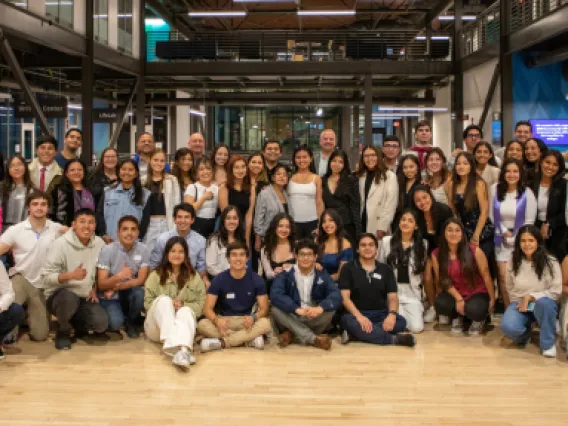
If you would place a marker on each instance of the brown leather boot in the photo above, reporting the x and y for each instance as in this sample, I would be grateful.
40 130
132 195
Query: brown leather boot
286 338
323 342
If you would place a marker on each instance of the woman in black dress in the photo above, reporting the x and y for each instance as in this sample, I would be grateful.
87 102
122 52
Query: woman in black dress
277 253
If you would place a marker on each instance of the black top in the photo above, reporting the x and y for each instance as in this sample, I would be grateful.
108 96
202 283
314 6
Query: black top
555 217
442 215
241 200
97 183
346 201
470 217
403 277
156 205
368 182
368 290
275 265
285 205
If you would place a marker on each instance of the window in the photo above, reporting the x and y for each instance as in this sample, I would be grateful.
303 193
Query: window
125 26
61 11
100 23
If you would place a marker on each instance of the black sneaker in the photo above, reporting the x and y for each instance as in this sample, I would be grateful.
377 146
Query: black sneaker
62 341
2 356
404 340
131 331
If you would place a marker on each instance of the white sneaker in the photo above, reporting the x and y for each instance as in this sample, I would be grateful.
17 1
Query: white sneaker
430 315
443 320
181 359
476 328
210 345
257 342
551 352
192 359
457 325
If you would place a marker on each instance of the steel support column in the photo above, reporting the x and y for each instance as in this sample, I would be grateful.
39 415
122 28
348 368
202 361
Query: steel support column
368 109
457 86
354 156
121 117
88 82
141 89
22 81
210 141
490 94
506 68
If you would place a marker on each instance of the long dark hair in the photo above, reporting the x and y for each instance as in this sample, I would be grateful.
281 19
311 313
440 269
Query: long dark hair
262 177
346 172
222 235
470 191
224 166
558 178
230 176
307 149
164 269
65 182
505 156
271 239
541 147
502 184
340 233
464 256
100 168
492 161
177 171
402 179
138 195
150 179
396 256
540 259
420 213
8 185
380 172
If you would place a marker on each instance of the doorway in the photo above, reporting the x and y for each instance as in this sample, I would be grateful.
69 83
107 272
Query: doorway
27 145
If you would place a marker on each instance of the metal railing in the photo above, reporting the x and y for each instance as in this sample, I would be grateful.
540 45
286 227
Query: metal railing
486 29
399 45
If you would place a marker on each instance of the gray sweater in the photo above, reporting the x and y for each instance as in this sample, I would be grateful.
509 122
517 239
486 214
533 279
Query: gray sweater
267 206
526 281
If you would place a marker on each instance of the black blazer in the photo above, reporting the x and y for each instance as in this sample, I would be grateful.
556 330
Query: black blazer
555 216
346 201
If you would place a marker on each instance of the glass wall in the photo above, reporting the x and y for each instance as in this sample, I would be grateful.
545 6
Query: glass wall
61 11
246 128
125 26
100 21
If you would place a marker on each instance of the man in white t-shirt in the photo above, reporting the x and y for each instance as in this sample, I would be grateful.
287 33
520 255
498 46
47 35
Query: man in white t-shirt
30 241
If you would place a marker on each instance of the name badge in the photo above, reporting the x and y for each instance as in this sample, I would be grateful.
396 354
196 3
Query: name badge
230 295
137 258
377 276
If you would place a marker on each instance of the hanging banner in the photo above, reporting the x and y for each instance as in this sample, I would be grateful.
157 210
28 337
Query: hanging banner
106 115
52 107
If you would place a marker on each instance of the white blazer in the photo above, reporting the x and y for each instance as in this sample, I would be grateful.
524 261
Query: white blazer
172 197
405 293
381 202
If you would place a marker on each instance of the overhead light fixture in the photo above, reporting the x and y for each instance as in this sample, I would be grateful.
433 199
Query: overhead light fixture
395 115
262 1
59 3
100 16
124 15
197 112
217 13
326 12
433 38
452 17
410 108
319 112
74 106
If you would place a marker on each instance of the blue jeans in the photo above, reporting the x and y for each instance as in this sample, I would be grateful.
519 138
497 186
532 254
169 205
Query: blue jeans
377 336
516 325
127 309
10 318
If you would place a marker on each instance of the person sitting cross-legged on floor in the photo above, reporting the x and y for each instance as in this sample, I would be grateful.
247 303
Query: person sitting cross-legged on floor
123 267
304 300
534 284
11 314
236 290
370 297
69 278
175 294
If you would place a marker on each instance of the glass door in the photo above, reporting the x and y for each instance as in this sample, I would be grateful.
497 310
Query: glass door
27 147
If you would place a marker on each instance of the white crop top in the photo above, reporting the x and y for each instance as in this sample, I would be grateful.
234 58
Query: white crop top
302 201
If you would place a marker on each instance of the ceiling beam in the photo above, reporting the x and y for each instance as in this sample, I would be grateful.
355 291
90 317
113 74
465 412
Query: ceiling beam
171 18
436 10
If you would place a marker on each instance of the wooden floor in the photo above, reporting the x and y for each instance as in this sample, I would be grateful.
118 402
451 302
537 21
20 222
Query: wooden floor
445 380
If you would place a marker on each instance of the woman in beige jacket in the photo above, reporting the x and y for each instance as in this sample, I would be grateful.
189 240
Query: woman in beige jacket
379 193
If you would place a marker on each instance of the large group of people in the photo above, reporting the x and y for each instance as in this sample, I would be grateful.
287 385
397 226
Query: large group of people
224 250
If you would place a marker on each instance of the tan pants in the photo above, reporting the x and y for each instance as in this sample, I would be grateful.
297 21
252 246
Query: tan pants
33 298
237 334
564 317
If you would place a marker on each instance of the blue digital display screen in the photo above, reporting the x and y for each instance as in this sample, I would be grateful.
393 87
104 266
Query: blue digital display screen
552 132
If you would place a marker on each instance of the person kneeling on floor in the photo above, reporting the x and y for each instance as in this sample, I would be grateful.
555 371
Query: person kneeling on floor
370 297
11 314
237 290
304 300
69 279
174 298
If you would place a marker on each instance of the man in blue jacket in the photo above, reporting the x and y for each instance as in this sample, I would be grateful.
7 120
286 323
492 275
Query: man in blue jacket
304 300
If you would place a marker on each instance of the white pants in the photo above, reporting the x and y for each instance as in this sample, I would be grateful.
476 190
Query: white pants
173 329
413 312
156 227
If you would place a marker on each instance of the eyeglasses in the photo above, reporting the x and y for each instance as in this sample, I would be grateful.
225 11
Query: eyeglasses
306 254
473 135
391 146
